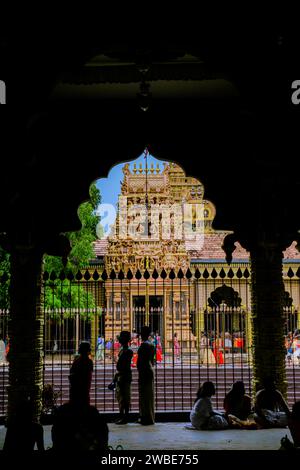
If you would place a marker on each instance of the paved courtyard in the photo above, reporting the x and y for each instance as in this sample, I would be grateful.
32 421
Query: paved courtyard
173 436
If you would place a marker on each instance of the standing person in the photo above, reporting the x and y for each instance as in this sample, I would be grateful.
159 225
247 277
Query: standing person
100 348
109 345
158 348
134 346
55 347
206 354
288 347
81 375
145 364
123 377
176 347
157 338
296 348
98 342
2 351
240 342
116 349
134 334
217 352
7 346
227 342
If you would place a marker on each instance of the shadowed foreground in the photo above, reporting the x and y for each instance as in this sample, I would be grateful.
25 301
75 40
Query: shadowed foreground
168 436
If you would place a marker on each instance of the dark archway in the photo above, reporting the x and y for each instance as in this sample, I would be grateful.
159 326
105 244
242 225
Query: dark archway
249 136
224 294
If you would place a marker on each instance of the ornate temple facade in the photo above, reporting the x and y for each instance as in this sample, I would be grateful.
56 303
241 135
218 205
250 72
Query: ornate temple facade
164 225
148 237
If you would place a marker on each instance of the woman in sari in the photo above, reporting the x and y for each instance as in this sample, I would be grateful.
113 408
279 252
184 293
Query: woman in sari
158 348
217 352
203 415
176 347
134 347
206 354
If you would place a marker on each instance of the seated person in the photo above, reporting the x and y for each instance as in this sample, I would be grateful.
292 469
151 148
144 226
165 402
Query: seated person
78 429
202 415
23 433
237 407
294 423
271 409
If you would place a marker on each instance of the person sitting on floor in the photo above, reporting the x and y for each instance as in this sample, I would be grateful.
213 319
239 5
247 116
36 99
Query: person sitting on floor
237 407
271 409
202 415
23 433
79 428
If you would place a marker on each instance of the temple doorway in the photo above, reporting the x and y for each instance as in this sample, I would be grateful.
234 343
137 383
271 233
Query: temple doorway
152 316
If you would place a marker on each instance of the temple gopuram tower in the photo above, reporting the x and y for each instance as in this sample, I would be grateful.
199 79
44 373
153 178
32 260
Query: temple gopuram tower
148 237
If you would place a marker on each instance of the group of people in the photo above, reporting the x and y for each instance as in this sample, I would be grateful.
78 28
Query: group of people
213 348
77 426
270 410
79 420
123 377
112 347
4 349
292 345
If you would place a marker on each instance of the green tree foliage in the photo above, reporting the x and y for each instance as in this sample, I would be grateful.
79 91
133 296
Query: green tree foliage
73 295
63 299
65 294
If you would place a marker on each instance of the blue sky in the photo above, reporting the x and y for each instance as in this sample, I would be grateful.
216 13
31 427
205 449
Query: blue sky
110 187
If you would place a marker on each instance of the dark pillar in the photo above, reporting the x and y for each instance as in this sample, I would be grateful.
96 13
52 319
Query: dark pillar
267 316
25 329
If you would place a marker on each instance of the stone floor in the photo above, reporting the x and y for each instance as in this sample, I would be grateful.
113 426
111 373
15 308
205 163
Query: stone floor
173 436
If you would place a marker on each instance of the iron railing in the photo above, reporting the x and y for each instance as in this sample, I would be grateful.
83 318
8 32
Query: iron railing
200 322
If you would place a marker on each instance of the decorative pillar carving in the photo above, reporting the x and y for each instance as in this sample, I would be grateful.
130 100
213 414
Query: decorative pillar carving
94 332
267 319
267 290
248 329
25 329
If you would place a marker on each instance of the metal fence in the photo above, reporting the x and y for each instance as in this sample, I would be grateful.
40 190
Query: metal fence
200 326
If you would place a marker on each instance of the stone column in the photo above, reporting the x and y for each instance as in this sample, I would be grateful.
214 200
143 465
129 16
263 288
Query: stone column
94 332
248 329
267 317
25 329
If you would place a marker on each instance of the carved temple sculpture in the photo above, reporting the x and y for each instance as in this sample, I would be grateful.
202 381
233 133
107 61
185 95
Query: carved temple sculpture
155 208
